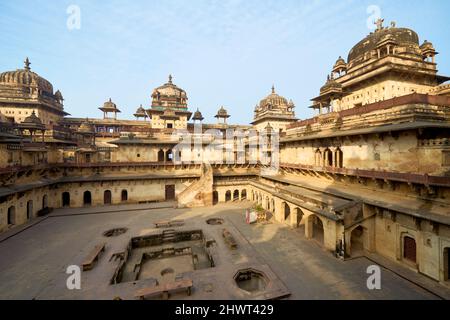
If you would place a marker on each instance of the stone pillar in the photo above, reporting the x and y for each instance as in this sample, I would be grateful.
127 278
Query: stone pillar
309 227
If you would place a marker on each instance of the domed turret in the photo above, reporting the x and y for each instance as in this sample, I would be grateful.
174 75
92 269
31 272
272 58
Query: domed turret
428 51
140 113
109 107
197 116
32 123
340 66
222 114
169 96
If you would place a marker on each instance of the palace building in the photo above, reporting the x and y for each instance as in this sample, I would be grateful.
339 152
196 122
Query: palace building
369 174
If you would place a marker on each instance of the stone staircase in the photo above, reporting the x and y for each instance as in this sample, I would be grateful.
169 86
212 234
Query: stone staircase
199 193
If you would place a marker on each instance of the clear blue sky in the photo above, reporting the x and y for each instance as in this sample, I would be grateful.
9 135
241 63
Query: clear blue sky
221 52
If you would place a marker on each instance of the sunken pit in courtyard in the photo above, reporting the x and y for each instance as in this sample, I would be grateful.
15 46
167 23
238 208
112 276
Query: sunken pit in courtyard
164 257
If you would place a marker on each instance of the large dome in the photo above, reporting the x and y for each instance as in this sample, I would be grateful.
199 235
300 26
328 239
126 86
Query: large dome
27 79
273 100
402 36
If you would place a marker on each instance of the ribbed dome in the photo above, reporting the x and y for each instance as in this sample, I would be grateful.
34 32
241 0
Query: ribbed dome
402 36
169 90
26 78
273 100
169 96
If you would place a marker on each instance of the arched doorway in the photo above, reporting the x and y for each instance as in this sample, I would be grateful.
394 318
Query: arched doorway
87 198
409 249
228 196
29 209
446 264
44 202
12 215
107 197
160 156
318 157
316 228
124 195
66 199
287 211
357 241
327 158
244 194
215 197
236 195
299 214
169 155
339 158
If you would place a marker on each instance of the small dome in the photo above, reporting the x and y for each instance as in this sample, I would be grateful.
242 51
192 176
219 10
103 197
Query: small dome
340 64
32 119
222 113
86 127
59 96
109 106
426 45
197 115
331 85
140 112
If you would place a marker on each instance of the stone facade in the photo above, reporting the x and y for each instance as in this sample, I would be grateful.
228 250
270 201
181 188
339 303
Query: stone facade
370 174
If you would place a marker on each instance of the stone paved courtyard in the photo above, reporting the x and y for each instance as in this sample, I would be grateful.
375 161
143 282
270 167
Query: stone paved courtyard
33 262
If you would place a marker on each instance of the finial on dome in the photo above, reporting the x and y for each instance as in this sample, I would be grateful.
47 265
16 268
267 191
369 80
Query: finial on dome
379 24
27 64
273 88
170 78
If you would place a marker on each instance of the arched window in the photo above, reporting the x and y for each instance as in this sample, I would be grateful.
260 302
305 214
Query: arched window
244 194
339 158
160 156
318 158
327 158
169 155
124 195
236 195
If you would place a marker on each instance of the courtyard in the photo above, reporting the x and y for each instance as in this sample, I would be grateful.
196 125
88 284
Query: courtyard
34 260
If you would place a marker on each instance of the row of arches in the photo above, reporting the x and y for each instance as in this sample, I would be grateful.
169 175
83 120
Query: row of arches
87 197
328 158
11 214
165 156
